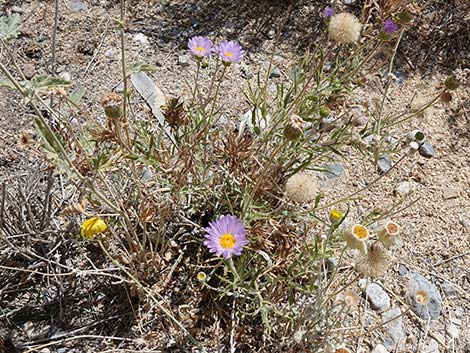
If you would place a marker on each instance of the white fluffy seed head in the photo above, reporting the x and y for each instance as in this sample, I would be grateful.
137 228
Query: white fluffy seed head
344 28
302 187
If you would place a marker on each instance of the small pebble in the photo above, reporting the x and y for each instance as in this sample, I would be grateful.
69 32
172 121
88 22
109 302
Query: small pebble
384 163
452 331
403 188
141 39
183 60
426 150
450 193
377 297
402 270
432 346
379 349
275 73
29 71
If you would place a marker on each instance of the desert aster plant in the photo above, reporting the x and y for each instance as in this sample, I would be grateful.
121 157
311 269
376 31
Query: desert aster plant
230 52
389 26
328 12
226 236
200 46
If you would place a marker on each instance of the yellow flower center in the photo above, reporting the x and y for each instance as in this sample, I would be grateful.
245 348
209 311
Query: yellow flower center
227 241
360 231
392 228
228 54
200 49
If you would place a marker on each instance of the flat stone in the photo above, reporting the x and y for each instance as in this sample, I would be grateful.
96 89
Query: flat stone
384 163
426 150
452 331
334 170
379 349
450 193
449 289
377 297
432 309
394 333
431 347
77 5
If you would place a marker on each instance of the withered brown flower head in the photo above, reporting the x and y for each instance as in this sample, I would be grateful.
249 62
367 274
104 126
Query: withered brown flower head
174 113
375 263
294 128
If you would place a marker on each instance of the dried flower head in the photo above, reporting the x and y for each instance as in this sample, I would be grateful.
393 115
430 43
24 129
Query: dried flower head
389 234
226 236
422 297
230 52
350 298
200 46
389 26
302 187
375 263
356 237
174 113
112 105
328 12
294 128
344 28
92 227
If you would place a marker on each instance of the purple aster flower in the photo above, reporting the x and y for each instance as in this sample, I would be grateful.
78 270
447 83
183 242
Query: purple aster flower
226 236
200 46
390 26
328 11
230 52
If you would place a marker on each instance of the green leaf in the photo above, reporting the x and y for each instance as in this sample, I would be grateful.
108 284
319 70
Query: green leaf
10 26
139 67
7 83
44 83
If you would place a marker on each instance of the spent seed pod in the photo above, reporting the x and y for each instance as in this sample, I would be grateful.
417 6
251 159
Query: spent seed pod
112 104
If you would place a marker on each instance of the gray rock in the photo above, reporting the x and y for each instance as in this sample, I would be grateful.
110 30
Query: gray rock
349 2
402 270
431 347
141 39
379 349
452 331
384 163
449 289
29 71
183 60
432 309
334 170
245 71
403 188
450 193
426 150
77 5
275 73
377 297
394 333
271 33
327 124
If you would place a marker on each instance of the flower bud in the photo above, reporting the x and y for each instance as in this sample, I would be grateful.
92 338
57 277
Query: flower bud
112 104
451 83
